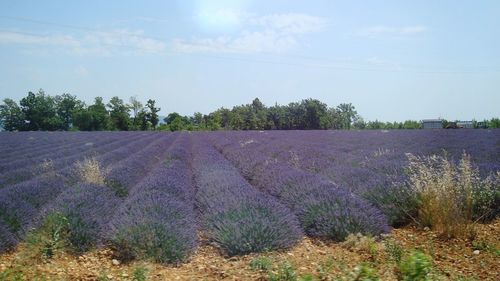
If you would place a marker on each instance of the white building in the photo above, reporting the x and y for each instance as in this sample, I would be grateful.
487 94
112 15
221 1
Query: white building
432 124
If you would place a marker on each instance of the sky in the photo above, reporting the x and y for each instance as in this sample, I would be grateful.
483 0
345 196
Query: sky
393 60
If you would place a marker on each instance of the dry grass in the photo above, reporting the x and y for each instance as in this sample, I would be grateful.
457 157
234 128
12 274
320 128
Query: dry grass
446 193
89 170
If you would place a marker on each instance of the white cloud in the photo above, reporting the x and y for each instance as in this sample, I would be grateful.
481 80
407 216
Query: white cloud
270 33
389 31
246 42
115 42
292 23
13 37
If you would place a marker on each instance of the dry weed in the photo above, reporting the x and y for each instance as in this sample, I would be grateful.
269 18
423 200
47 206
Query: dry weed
89 170
446 193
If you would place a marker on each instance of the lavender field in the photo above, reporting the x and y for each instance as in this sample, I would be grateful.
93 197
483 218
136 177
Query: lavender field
151 195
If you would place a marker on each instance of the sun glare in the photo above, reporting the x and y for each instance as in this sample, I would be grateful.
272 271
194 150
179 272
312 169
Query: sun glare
220 16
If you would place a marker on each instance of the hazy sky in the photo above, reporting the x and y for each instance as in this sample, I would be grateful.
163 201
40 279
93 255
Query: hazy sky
393 60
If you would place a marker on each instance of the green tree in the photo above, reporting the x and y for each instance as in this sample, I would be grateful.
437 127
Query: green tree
347 114
142 120
153 113
359 123
198 120
375 125
99 115
294 116
275 117
411 124
136 106
40 111
82 120
315 114
177 122
11 116
119 114
237 122
494 123
67 105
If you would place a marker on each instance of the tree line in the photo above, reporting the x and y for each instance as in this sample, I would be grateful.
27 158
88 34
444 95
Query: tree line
40 111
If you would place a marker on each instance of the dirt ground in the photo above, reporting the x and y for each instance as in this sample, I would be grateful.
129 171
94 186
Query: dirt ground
311 259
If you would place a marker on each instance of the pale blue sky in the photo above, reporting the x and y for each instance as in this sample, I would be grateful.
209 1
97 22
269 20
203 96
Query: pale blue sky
394 60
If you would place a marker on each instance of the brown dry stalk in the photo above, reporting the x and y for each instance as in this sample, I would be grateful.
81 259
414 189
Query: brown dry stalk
446 193
90 171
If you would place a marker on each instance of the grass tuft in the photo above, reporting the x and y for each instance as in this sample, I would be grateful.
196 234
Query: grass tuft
451 197
89 170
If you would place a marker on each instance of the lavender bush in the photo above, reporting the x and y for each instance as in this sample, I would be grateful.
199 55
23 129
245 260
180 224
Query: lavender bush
157 221
237 217
7 240
126 174
87 207
154 226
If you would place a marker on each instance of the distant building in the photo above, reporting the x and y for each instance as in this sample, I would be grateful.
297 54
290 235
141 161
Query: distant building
432 124
465 124
482 125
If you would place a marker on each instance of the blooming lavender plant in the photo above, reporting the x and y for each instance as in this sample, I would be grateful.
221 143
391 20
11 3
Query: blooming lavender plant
237 217
153 225
87 207
157 220
322 208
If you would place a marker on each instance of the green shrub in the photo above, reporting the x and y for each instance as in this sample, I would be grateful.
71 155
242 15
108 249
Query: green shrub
82 233
398 202
49 238
149 241
261 263
394 250
11 275
306 277
140 274
415 266
364 272
286 272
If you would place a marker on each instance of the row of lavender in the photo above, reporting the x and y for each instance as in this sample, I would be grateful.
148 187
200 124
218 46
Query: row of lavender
157 221
59 156
24 144
23 205
236 216
370 164
322 208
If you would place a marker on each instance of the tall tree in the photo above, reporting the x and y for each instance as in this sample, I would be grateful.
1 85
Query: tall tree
40 111
142 120
119 114
315 114
11 116
99 115
66 106
347 114
153 113
136 107
198 121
